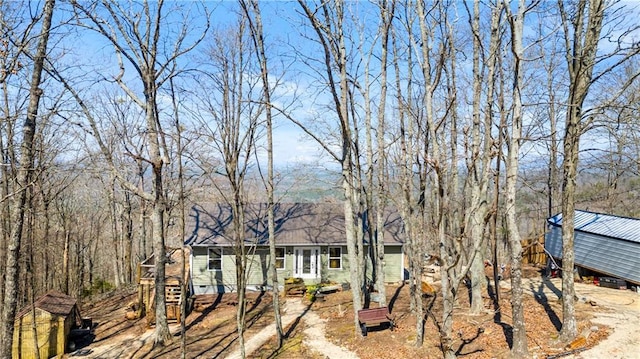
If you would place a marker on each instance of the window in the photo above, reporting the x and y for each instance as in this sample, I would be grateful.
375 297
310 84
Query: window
279 258
215 259
335 257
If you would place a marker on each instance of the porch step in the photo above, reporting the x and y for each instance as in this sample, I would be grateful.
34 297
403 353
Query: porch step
296 291
294 287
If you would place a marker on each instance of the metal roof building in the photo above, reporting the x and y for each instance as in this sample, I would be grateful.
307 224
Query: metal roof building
603 243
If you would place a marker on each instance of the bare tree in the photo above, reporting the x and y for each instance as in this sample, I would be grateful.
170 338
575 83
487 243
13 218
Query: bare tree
443 174
481 148
229 111
519 347
421 165
254 17
16 36
9 66
582 24
410 205
23 181
327 21
378 189
551 111
151 48
180 149
582 34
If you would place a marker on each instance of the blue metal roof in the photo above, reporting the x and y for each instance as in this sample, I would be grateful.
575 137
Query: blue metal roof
603 224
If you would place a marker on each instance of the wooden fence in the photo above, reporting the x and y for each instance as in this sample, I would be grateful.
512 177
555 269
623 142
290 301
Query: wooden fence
533 251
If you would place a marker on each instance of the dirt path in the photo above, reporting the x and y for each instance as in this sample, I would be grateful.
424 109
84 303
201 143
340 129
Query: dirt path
314 332
316 340
622 314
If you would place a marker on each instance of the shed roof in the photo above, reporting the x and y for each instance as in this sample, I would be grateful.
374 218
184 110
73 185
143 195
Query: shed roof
295 224
625 228
54 302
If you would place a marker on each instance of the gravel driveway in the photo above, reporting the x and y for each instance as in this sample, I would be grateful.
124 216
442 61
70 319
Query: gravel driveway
622 315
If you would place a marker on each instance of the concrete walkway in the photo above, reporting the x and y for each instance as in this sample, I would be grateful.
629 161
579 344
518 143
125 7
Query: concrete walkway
314 333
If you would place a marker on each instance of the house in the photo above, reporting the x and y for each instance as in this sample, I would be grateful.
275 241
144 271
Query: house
55 315
310 244
603 243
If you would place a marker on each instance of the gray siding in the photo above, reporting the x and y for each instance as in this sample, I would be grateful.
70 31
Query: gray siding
611 256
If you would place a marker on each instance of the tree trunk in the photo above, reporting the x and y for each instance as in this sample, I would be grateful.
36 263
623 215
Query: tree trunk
8 156
370 189
65 260
434 155
448 302
241 261
477 205
387 11
113 217
570 164
582 47
352 248
476 270
552 175
127 234
162 334
182 228
23 181
519 348
479 160
255 21
142 221
333 42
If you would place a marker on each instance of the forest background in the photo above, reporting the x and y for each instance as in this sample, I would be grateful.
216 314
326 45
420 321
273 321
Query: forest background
476 120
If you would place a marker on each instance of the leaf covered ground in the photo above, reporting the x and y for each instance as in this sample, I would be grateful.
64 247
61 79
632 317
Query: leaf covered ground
211 332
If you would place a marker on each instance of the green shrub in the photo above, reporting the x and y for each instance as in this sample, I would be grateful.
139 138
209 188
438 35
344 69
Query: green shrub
311 291
99 286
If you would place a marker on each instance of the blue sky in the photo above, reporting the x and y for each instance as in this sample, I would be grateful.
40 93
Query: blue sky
284 34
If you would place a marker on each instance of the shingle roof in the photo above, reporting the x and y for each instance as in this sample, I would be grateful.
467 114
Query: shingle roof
54 302
625 228
296 224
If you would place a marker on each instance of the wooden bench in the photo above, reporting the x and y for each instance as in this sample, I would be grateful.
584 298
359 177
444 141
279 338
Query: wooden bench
372 317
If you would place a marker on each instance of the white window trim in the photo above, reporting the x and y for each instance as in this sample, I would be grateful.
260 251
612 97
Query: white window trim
329 258
284 258
209 258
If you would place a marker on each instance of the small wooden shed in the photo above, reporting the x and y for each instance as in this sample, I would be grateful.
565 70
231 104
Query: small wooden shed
55 314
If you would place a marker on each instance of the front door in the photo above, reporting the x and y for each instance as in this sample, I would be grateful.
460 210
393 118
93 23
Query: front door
307 262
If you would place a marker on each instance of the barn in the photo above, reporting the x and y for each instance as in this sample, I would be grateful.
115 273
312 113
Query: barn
55 314
603 243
